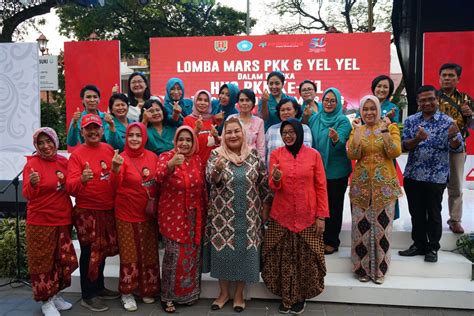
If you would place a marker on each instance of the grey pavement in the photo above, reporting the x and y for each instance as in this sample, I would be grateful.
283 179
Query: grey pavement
19 301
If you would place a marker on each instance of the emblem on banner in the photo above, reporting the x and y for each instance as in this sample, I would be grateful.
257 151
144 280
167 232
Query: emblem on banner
220 46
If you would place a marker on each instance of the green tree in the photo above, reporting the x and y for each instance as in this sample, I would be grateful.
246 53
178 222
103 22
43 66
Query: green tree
133 24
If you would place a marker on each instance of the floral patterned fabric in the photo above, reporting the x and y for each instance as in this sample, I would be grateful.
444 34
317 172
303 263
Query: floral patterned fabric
374 180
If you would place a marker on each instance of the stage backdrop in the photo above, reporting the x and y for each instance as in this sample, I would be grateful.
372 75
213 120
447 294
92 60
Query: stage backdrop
346 61
91 62
452 47
19 106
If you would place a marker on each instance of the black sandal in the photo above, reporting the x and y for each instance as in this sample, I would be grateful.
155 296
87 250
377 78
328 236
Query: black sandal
168 307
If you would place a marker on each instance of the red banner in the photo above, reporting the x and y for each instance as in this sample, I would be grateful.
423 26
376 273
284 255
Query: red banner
450 47
346 61
91 62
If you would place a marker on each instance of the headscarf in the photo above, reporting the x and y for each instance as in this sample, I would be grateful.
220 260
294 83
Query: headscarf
227 153
228 109
51 133
322 122
133 153
195 113
170 84
295 148
377 104
194 148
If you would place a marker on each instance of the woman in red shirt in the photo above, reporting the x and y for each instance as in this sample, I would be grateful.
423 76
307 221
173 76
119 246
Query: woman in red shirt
51 255
182 205
133 174
293 249
204 125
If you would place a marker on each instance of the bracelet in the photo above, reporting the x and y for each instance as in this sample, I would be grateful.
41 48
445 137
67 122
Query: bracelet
384 131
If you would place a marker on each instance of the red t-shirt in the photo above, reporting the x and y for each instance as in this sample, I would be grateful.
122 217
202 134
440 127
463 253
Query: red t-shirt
97 193
204 137
180 191
49 203
135 175
300 195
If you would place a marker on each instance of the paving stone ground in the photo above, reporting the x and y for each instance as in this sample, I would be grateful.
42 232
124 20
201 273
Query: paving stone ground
19 301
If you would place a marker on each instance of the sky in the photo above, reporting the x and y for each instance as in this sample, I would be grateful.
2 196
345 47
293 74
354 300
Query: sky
56 41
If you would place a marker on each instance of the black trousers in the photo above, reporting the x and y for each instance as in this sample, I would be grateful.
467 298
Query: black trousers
424 204
336 191
90 289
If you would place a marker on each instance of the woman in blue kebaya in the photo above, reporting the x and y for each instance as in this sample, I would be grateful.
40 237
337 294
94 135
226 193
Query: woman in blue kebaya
175 101
225 103
117 121
268 102
382 88
310 107
160 132
330 130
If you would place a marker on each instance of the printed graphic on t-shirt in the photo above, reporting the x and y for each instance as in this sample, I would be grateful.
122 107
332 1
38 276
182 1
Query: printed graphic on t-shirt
148 181
105 171
61 180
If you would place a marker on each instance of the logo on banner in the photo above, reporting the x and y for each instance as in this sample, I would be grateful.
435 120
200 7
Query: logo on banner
244 46
317 45
220 46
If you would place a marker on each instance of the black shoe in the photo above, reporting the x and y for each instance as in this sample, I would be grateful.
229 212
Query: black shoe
282 309
412 251
431 256
298 308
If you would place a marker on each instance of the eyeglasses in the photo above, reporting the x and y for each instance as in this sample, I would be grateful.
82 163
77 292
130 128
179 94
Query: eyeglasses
307 90
137 81
288 133
333 101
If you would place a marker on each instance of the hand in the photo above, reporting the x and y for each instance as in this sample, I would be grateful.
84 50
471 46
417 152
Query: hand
466 109
199 125
76 116
390 114
421 135
333 135
214 131
276 173
320 226
177 108
219 165
386 122
177 160
307 111
87 174
117 161
265 96
356 123
140 104
219 117
34 177
146 116
453 130
115 88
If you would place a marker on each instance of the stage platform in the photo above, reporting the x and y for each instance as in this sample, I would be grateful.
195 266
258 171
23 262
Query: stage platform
409 282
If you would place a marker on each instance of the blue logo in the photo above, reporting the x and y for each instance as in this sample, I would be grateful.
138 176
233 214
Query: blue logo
317 42
244 46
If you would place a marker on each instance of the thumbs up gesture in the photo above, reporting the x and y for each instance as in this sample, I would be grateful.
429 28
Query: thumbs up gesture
34 177
276 173
220 164
421 135
214 131
115 88
75 117
177 160
199 124
117 161
265 96
87 174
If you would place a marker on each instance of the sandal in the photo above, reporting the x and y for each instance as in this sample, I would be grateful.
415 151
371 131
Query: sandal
168 307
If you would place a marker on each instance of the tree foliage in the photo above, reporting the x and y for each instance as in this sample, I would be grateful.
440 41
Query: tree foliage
133 24
14 13
346 15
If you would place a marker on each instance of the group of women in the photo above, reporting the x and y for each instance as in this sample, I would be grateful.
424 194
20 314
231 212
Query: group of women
230 192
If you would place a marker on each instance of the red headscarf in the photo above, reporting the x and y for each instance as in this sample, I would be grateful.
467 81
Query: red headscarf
132 153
